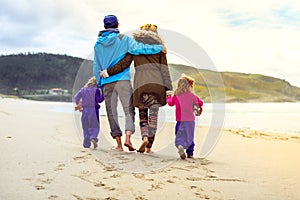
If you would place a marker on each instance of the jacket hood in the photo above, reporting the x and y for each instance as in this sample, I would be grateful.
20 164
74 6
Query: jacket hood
147 37
107 37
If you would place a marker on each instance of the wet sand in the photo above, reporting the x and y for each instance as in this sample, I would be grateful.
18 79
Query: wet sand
42 158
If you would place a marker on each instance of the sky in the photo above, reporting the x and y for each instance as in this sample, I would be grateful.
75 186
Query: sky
261 37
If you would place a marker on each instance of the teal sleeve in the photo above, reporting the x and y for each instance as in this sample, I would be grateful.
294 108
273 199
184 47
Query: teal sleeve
138 48
97 69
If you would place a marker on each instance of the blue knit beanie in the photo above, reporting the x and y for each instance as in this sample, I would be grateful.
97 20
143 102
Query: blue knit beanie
110 21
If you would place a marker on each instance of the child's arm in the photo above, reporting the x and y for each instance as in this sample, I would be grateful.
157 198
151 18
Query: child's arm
77 97
200 102
78 101
199 110
170 100
99 96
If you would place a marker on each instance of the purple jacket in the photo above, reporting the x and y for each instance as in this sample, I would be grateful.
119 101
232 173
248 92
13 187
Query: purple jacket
91 97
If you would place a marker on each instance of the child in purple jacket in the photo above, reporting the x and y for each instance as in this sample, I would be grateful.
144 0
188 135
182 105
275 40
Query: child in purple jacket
87 101
185 102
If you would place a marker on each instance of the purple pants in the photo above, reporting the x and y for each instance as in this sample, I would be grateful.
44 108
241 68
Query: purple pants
184 132
90 125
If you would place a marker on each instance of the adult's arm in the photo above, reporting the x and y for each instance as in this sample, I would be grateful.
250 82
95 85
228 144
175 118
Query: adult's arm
97 67
121 65
99 96
138 48
165 72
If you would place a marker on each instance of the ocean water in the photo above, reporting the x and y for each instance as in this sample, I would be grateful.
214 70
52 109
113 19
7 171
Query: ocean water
273 117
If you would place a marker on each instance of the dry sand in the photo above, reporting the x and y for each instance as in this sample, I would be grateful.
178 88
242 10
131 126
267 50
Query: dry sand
42 158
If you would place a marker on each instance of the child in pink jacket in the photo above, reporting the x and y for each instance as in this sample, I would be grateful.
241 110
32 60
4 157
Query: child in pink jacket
185 101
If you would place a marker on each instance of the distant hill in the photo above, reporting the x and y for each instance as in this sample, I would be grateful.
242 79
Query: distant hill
240 87
42 71
38 71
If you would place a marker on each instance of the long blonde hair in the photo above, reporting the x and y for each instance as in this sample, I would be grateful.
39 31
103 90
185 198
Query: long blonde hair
184 84
92 82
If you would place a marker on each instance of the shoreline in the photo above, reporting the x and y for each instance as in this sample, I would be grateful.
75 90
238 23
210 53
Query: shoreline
43 158
286 113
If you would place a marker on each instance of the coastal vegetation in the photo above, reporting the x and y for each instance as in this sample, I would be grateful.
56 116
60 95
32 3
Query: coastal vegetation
33 75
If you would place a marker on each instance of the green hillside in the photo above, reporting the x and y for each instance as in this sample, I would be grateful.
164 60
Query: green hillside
35 74
240 87
38 71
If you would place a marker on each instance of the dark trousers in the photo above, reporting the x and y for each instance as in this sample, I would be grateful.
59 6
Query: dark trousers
148 123
184 132
90 125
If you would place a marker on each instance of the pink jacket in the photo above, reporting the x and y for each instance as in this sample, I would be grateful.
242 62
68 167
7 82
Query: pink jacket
184 105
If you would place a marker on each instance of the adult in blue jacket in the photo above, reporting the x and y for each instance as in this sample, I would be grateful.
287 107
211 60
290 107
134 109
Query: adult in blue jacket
110 48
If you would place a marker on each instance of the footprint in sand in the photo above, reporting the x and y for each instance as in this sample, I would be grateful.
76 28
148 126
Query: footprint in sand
115 176
59 167
202 196
194 178
149 179
139 176
47 180
53 197
211 176
39 187
147 164
110 188
77 197
140 198
155 187
100 184
199 192
81 159
204 162
170 181
109 168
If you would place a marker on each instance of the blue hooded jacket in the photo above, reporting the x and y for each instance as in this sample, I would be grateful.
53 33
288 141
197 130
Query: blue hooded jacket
111 47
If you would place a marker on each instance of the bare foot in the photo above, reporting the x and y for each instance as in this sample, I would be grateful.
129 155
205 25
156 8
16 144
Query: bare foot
94 143
127 142
117 148
190 156
119 143
181 152
129 145
143 145
148 150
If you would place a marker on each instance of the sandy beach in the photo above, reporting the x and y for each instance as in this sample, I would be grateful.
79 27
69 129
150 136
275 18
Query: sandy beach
42 158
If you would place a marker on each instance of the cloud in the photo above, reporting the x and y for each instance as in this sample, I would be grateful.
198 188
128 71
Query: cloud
33 24
239 36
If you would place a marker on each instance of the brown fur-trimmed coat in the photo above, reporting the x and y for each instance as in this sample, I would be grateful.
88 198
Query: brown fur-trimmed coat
152 76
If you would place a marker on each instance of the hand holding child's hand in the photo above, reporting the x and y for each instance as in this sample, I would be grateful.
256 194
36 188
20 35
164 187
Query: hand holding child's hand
104 74
164 50
169 93
79 106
